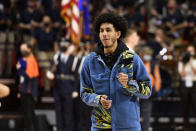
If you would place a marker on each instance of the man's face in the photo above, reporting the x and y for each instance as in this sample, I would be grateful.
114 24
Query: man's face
108 35
25 51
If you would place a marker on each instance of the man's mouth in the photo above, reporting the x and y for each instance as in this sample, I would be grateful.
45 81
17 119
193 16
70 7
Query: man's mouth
105 39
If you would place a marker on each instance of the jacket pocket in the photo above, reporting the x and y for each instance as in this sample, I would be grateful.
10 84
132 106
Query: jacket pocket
101 83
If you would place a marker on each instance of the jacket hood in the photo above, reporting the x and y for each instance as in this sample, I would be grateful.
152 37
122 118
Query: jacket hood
120 48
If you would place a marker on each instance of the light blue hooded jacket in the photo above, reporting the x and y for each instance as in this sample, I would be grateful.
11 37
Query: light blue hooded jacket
97 79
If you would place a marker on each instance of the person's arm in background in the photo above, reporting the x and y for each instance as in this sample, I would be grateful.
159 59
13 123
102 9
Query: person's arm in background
4 91
56 46
181 69
157 77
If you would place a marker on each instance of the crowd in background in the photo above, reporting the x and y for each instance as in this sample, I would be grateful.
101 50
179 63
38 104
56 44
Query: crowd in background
167 27
164 24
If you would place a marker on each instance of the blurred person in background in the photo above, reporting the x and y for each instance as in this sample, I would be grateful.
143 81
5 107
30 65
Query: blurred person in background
8 25
29 19
192 26
158 43
64 91
174 20
132 39
130 14
153 70
187 71
11 32
45 44
58 23
141 21
82 111
28 72
2 37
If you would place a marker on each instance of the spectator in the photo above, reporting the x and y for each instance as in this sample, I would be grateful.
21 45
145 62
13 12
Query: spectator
46 40
29 19
64 91
3 28
130 16
12 25
154 73
187 71
58 23
141 21
175 22
159 43
192 27
132 39
82 111
28 72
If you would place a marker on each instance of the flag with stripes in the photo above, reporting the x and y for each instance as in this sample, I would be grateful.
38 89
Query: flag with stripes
70 14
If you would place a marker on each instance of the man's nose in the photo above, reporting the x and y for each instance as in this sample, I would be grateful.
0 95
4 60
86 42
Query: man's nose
104 33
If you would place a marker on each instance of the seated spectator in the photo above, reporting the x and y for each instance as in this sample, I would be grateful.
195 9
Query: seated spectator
2 37
192 26
130 16
29 19
140 21
174 20
159 43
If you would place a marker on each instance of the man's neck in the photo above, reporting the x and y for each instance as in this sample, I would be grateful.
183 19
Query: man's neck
111 50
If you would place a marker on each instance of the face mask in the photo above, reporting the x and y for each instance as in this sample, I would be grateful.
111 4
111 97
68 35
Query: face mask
79 48
31 6
25 53
63 49
171 7
46 24
147 57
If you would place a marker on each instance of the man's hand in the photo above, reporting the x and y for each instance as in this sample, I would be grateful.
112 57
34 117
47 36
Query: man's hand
123 79
74 94
50 75
105 103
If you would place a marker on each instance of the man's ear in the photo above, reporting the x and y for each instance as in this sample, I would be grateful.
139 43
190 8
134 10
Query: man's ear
118 34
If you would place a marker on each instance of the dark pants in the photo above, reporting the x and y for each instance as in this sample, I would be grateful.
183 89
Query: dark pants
30 119
146 108
105 130
82 115
64 112
188 98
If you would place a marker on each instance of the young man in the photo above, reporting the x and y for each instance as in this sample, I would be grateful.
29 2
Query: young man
112 78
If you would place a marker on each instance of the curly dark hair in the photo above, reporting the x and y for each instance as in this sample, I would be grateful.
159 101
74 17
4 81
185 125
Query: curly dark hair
119 23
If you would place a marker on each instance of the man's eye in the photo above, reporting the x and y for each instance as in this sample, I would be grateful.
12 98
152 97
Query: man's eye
101 30
108 30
